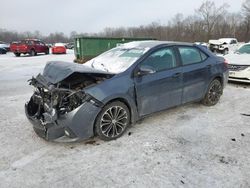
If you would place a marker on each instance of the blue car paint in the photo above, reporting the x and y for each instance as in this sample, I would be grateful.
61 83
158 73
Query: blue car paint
146 94
149 92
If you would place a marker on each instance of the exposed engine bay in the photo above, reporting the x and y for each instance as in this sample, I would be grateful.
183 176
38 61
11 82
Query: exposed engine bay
52 100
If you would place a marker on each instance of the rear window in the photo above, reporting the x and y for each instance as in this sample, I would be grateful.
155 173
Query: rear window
191 55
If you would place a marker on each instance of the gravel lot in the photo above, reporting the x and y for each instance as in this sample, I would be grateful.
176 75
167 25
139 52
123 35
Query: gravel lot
189 146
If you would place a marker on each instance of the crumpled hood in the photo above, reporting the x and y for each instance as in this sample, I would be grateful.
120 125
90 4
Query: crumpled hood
238 59
215 42
56 71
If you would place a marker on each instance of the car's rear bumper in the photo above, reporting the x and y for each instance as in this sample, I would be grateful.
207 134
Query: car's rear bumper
59 52
73 126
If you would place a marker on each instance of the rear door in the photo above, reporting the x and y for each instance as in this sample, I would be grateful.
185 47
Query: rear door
43 47
38 47
196 68
163 88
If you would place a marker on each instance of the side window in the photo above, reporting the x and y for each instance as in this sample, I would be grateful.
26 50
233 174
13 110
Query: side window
28 42
233 42
161 59
203 56
190 55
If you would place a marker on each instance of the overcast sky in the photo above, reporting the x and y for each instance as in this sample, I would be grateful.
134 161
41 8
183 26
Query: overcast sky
49 16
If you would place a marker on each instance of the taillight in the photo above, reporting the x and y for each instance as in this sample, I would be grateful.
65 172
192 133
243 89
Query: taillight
225 63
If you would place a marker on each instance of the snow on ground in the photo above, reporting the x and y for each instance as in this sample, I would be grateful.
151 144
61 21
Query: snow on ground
188 146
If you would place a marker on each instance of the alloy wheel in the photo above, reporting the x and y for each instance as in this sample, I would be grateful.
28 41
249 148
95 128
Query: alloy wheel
214 93
114 121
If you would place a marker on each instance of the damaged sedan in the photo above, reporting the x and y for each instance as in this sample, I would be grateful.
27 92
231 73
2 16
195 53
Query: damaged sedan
104 96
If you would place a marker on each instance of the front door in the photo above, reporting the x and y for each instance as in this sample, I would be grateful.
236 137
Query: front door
161 89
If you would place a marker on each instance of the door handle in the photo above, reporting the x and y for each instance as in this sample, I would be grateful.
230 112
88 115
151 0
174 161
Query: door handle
176 75
209 66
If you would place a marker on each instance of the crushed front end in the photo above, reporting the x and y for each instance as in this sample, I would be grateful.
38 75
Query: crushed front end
62 111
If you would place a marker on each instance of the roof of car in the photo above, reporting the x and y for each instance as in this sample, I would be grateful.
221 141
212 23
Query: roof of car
32 39
152 43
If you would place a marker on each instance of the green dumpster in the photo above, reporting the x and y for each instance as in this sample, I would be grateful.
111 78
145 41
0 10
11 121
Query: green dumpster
87 48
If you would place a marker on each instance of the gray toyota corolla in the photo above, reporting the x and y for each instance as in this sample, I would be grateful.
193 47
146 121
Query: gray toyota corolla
104 96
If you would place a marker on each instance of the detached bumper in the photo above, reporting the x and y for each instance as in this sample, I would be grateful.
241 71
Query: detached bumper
73 126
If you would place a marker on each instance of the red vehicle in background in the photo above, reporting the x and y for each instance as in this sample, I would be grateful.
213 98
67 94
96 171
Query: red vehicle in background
58 48
29 46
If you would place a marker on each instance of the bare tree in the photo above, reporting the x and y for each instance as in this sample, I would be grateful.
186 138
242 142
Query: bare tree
208 21
233 20
246 15
178 27
72 35
210 15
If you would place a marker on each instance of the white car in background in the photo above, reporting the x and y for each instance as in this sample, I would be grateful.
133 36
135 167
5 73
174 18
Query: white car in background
223 45
5 46
239 64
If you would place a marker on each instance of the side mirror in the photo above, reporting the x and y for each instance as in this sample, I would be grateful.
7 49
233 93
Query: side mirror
144 70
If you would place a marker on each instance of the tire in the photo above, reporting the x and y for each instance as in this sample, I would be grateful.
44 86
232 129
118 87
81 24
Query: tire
225 52
213 94
47 52
17 54
32 53
112 121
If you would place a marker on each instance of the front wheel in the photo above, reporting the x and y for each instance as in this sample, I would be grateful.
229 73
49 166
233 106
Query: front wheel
213 94
32 53
17 54
112 121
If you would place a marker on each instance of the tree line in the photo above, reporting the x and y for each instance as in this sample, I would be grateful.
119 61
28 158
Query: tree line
208 22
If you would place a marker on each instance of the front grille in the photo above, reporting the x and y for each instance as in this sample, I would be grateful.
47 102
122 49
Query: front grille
237 67
236 78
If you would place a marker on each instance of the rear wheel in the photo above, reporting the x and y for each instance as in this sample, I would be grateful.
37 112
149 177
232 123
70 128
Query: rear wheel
47 52
32 53
213 94
112 121
17 54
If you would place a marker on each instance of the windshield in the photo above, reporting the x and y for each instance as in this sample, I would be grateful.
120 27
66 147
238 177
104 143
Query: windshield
244 49
116 60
